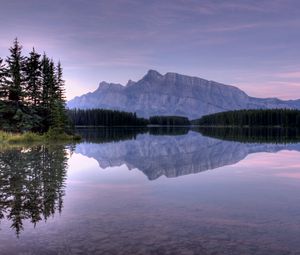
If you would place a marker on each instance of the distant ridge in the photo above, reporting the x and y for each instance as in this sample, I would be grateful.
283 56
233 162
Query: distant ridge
174 94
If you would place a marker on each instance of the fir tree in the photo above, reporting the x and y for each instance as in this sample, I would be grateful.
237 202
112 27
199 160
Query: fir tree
47 96
3 80
15 64
60 83
53 99
51 83
32 95
33 78
45 81
59 114
54 102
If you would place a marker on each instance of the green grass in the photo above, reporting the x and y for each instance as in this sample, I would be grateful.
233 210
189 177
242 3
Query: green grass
30 137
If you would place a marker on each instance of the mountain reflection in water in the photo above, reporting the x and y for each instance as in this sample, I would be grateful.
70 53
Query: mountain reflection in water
67 205
32 179
174 152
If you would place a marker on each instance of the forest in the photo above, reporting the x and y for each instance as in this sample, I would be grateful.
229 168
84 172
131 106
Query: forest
103 117
238 118
252 118
32 92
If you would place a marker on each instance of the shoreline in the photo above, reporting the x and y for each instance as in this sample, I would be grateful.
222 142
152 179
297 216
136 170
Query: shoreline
31 137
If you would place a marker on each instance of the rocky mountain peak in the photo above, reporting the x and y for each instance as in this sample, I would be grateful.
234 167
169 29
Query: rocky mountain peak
174 94
130 83
152 75
103 84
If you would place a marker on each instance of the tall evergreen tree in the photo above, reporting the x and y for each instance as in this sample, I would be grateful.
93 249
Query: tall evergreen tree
33 78
45 81
15 64
60 82
53 86
46 92
32 95
3 80
58 115
54 102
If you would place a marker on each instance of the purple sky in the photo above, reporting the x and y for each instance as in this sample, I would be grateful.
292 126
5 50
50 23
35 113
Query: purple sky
254 45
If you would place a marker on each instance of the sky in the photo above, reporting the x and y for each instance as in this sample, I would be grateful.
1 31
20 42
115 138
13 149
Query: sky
254 45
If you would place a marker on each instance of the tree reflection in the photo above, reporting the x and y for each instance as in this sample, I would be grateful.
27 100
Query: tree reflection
32 182
117 134
253 134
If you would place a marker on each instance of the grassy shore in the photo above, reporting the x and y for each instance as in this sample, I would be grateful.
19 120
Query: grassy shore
30 137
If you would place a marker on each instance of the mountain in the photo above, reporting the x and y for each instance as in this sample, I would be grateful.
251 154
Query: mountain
174 94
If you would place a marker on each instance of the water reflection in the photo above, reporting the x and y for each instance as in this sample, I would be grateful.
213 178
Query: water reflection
249 208
32 182
177 152
253 135
106 135
32 179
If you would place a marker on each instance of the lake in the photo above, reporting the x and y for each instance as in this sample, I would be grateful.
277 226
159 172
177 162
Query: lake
151 191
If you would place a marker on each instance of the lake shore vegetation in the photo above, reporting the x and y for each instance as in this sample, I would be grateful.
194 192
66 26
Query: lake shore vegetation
32 97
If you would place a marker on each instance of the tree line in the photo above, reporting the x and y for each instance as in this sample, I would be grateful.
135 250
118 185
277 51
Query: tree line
240 118
32 92
103 117
252 118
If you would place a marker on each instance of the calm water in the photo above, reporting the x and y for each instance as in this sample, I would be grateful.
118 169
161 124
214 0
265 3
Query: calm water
157 192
